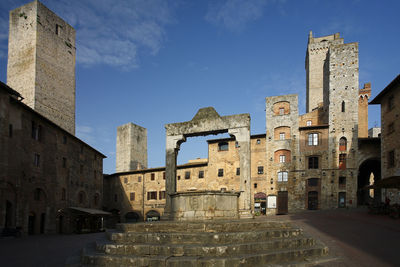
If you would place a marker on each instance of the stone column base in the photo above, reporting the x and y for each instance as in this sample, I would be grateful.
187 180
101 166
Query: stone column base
245 214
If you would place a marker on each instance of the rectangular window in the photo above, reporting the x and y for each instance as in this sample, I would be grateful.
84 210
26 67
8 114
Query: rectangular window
10 130
313 139
309 123
391 159
255 185
36 160
313 163
201 174
179 177
281 136
260 169
125 180
161 195
152 195
64 164
281 111
132 196
58 29
187 175
139 179
36 131
282 176
152 176
237 171
94 175
342 161
81 169
220 172
64 139
163 175
282 158
223 146
342 181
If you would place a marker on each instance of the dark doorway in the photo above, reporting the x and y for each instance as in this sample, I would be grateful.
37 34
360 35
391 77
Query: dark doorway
282 202
368 173
132 217
9 215
342 199
31 223
152 216
42 222
313 200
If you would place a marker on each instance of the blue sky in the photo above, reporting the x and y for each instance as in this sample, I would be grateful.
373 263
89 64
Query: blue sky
157 62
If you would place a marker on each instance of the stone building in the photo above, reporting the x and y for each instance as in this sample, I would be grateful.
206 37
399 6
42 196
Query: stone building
318 160
50 181
41 62
390 146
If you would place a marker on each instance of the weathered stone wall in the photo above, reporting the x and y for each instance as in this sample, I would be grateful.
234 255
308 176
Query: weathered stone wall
52 161
317 50
364 95
131 148
342 108
41 62
289 144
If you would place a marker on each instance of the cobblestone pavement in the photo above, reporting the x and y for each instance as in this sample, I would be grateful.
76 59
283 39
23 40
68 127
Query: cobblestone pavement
355 237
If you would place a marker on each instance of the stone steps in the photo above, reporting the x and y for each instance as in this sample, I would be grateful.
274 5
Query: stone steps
255 259
203 226
201 249
202 238
222 243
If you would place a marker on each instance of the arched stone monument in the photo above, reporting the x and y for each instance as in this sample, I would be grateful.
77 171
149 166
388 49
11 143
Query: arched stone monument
190 205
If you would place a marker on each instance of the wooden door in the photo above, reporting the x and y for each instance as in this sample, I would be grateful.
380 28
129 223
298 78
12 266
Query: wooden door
282 202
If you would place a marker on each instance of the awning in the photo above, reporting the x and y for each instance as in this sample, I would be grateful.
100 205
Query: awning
90 211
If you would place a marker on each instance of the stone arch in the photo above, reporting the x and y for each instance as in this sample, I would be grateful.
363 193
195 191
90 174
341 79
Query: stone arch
207 121
132 217
152 215
369 172
281 108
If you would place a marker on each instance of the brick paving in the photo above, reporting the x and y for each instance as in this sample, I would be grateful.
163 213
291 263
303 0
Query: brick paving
354 237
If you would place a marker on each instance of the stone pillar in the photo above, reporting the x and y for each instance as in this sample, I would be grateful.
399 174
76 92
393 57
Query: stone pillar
242 136
172 148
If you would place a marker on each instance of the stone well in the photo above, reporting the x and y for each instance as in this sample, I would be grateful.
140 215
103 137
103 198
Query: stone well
204 205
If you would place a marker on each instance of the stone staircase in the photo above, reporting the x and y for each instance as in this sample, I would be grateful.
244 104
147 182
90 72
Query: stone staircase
206 243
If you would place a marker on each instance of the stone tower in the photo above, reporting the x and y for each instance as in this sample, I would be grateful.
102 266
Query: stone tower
341 95
316 74
364 95
131 148
41 62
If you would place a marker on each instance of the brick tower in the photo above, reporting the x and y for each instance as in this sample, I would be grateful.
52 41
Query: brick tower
41 62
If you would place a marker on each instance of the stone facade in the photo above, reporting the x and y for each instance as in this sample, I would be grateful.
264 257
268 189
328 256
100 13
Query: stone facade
390 147
131 148
43 170
41 62
308 161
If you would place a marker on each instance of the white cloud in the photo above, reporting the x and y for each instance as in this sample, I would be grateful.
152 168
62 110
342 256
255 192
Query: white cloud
108 32
235 14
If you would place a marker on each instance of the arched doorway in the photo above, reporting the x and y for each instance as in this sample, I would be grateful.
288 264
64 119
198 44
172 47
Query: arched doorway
368 173
37 217
31 223
260 203
152 215
312 200
132 217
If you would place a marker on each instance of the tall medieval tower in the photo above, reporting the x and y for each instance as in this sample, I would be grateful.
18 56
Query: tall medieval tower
316 74
41 62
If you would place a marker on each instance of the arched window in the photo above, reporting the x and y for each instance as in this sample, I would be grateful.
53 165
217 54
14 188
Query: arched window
343 106
343 144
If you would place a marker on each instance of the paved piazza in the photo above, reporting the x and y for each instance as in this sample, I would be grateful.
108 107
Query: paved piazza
355 237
